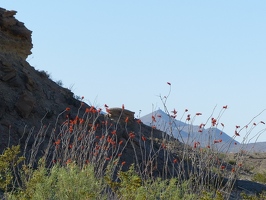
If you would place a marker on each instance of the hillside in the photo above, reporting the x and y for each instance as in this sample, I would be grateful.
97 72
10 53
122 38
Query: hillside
26 95
48 122
29 99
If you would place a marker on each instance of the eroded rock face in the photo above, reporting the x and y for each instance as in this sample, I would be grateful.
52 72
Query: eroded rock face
26 95
15 38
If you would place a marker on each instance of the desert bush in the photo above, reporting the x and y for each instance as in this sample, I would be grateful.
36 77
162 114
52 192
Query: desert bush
59 82
260 196
69 182
260 177
8 163
44 74
232 162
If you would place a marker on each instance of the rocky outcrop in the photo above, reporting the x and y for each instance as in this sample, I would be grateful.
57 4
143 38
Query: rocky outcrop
26 95
15 38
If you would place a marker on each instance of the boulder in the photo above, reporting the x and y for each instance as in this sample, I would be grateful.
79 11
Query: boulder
120 114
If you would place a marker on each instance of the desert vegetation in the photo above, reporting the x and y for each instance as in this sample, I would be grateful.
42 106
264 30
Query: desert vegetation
87 157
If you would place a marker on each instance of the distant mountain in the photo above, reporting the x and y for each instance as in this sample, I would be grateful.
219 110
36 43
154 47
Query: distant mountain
204 137
189 133
258 147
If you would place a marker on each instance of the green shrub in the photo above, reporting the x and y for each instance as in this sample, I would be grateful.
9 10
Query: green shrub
232 162
68 182
8 161
261 196
260 177
44 74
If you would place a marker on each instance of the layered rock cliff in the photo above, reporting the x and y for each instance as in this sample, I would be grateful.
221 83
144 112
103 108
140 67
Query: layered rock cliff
26 95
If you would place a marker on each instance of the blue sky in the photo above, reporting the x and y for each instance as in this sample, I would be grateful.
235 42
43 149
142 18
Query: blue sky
124 52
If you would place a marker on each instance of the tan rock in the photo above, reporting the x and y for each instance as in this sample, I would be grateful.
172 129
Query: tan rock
9 13
121 114
15 38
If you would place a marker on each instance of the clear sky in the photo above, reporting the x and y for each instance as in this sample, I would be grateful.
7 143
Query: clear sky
124 52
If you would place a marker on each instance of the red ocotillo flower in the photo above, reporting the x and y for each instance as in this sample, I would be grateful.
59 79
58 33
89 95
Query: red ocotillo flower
131 135
57 142
126 120
217 141
214 121
201 125
236 133
174 111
